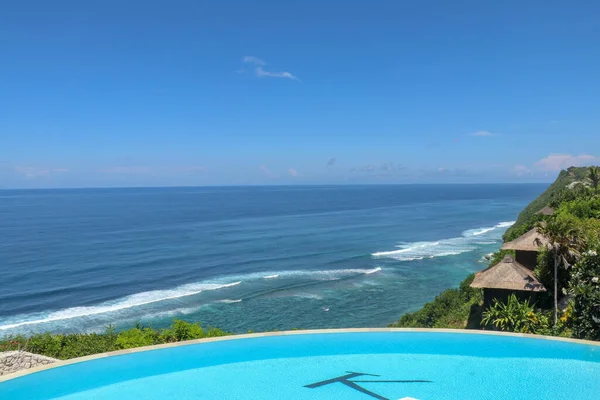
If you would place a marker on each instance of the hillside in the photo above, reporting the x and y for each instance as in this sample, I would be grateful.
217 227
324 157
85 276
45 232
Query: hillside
528 216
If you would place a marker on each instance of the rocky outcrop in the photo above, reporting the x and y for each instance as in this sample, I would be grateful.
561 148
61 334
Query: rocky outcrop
13 361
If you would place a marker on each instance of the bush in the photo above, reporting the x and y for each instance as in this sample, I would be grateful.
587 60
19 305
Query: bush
585 289
83 344
137 337
187 331
448 310
515 316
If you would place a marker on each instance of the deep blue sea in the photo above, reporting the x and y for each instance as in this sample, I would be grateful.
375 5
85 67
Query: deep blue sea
241 258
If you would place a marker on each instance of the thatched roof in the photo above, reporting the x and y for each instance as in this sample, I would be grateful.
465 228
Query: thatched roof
529 241
507 274
546 211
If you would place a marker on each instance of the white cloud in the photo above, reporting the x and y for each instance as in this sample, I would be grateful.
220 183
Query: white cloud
557 162
482 134
253 60
293 172
36 172
261 72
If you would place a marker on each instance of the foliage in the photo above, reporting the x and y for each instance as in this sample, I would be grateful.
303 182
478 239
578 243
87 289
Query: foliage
448 310
83 344
554 195
514 316
594 176
582 208
585 289
137 337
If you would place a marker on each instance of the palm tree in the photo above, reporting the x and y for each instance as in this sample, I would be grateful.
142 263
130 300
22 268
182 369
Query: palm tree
565 241
594 175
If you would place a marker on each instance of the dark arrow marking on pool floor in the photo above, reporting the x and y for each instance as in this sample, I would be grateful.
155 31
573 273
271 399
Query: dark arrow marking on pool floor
345 380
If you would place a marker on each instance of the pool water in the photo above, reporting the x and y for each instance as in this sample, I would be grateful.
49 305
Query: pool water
365 365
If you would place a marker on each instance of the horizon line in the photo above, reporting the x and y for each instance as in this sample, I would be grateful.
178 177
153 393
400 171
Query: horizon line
276 185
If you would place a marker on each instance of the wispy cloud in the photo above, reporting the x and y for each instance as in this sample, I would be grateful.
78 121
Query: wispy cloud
253 60
521 170
260 72
150 170
266 171
293 172
36 172
557 162
483 134
331 162
364 168
383 168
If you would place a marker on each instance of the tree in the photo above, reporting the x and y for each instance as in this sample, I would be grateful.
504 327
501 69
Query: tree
565 242
594 175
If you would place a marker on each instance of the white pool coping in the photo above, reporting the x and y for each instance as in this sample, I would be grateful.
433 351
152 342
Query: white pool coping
285 333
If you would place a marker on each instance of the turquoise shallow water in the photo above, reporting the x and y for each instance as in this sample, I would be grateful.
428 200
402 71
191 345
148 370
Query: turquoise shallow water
375 365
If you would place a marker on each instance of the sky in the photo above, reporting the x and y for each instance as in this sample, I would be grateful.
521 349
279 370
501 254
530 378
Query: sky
172 93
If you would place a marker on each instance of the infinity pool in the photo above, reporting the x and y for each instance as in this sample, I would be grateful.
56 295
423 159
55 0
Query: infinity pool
351 365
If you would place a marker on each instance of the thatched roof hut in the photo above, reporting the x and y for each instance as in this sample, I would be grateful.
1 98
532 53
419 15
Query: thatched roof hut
508 275
529 241
546 211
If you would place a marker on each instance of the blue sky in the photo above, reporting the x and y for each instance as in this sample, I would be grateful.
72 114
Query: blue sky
144 93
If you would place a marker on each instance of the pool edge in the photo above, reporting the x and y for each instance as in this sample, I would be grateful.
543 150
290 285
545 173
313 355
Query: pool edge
59 364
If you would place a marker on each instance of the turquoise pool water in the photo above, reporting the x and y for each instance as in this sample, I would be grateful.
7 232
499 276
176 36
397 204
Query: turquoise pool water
365 365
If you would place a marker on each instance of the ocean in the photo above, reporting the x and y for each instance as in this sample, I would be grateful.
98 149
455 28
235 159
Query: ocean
242 258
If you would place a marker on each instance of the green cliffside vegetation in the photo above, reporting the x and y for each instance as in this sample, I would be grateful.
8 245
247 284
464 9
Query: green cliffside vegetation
83 344
573 230
551 197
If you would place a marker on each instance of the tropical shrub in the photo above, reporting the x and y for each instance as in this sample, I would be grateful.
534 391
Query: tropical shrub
137 337
82 344
514 316
585 289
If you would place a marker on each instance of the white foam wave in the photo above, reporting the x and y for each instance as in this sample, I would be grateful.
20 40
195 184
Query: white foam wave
229 301
326 274
481 231
146 298
468 241
136 300
505 224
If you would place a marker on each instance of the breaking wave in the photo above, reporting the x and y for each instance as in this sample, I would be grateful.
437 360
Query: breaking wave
156 296
135 300
468 241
